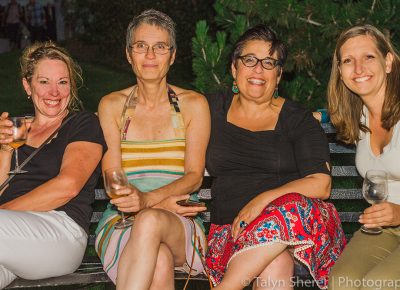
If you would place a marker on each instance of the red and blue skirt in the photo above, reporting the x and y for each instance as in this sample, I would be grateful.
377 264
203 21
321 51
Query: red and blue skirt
309 226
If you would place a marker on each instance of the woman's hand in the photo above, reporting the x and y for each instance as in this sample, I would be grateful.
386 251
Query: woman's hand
382 215
170 204
248 213
131 200
5 129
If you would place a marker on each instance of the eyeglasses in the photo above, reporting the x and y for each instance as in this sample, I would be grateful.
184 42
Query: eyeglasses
267 63
158 48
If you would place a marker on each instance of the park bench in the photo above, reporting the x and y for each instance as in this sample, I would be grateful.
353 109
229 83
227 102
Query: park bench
345 194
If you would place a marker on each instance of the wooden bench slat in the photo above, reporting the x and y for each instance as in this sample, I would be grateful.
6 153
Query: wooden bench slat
205 193
344 171
346 193
328 128
350 217
339 148
205 216
98 276
75 278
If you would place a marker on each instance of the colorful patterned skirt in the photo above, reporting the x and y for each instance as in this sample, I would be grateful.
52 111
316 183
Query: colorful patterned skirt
310 226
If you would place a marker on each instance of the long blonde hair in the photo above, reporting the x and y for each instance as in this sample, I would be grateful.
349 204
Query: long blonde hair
42 50
345 107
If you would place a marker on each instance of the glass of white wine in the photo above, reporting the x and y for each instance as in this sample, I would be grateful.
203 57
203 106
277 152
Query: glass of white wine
20 133
114 179
375 190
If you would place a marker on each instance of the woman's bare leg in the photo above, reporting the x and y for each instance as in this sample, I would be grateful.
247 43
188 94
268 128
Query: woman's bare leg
277 275
138 261
164 272
248 265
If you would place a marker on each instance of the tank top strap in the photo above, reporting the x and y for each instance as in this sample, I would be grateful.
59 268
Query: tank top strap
128 112
177 118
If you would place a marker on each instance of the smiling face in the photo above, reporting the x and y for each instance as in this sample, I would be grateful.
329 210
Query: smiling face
363 68
150 66
256 83
49 87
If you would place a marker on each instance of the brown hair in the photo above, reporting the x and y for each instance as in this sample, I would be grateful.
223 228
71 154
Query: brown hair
49 50
345 107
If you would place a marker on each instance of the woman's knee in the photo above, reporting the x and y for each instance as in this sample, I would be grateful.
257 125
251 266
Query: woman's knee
149 224
383 277
282 266
149 219
344 276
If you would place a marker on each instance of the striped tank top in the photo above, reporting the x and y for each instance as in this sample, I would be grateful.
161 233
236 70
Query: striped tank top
155 163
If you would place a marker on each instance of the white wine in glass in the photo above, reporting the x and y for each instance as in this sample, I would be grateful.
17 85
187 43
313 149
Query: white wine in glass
115 179
20 133
375 190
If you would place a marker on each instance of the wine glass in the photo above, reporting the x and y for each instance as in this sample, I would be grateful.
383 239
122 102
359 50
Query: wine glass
375 190
20 133
114 179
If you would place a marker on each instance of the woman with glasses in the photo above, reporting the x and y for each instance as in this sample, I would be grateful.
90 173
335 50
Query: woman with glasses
270 162
158 134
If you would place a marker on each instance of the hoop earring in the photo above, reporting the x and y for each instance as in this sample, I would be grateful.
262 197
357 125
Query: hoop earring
235 88
276 93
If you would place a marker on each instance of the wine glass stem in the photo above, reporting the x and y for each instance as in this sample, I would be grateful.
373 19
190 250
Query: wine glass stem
16 158
123 216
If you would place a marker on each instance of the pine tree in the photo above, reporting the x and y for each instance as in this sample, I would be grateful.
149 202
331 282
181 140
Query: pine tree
308 27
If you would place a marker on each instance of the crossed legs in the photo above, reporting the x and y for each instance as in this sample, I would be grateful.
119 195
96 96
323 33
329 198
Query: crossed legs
152 251
258 262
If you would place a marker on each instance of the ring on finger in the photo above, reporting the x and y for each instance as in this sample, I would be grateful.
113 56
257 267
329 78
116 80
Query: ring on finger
243 224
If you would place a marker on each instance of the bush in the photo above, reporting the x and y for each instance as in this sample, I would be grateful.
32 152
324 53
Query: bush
103 23
309 28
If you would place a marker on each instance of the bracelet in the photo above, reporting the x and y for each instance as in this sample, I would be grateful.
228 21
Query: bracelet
6 148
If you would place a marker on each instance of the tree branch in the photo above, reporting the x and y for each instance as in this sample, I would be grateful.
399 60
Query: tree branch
310 21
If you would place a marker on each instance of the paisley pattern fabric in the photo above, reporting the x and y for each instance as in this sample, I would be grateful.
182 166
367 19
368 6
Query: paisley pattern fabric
308 226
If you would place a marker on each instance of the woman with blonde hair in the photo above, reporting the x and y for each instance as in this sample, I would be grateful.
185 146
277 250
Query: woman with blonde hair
45 212
364 106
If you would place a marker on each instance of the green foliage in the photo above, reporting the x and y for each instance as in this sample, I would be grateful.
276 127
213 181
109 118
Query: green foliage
309 28
103 23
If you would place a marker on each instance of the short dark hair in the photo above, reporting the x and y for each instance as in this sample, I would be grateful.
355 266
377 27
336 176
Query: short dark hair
151 17
260 32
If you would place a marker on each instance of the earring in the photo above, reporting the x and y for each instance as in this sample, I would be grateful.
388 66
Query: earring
235 88
29 97
276 93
